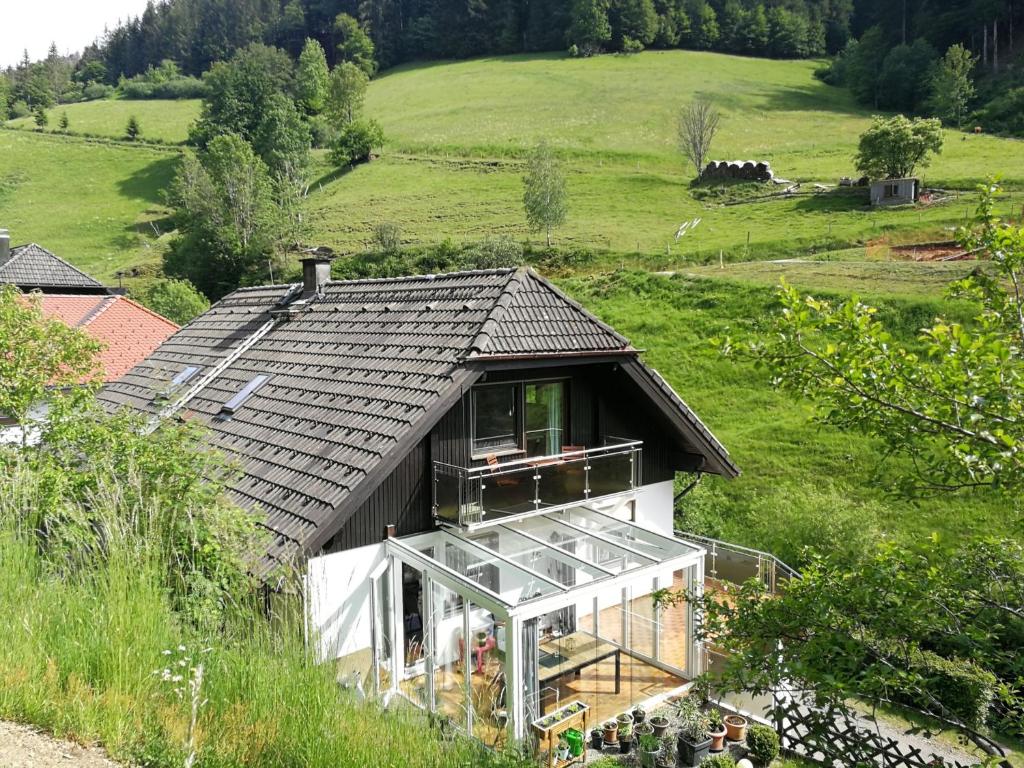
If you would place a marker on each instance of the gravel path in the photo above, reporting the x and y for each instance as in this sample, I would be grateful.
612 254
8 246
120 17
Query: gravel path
24 747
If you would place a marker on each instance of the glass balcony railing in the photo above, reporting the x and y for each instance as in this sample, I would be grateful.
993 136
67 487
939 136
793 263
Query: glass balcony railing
474 495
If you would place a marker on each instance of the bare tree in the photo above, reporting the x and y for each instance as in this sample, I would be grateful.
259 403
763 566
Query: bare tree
698 124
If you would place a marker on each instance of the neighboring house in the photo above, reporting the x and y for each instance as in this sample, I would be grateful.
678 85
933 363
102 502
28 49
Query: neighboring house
894 192
474 474
127 331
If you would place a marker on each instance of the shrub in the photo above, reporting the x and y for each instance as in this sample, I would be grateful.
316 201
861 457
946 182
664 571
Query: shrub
724 760
133 130
629 45
356 142
20 109
763 743
321 132
388 236
494 253
574 51
95 91
966 689
136 89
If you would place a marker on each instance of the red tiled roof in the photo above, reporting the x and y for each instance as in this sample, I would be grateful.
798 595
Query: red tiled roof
128 331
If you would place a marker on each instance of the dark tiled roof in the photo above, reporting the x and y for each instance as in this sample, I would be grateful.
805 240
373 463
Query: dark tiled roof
32 266
359 373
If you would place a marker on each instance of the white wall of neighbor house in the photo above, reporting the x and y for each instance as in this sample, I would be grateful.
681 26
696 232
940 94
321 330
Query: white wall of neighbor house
338 601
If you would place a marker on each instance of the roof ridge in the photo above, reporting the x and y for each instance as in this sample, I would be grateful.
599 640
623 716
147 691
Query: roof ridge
426 277
501 304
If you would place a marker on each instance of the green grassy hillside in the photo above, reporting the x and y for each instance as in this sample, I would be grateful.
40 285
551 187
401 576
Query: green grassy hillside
458 131
165 121
96 204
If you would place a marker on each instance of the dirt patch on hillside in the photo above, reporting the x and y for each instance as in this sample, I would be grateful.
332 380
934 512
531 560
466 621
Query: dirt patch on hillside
932 251
25 747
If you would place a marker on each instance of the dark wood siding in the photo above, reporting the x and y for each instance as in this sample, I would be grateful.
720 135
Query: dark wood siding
603 402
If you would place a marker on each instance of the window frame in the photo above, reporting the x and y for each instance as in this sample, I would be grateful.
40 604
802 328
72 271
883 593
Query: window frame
519 387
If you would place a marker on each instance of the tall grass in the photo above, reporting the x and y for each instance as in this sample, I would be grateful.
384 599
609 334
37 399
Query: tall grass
83 645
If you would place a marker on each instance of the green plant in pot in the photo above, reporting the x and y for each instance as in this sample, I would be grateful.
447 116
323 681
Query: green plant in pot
643 729
611 730
597 739
667 755
562 750
481 639
717 732
694 739
625 737
639 714
624 718
649 746
660 724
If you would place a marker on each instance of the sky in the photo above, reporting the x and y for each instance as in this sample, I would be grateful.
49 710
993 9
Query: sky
72 24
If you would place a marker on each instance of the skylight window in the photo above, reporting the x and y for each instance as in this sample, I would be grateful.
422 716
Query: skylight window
185 376
244 394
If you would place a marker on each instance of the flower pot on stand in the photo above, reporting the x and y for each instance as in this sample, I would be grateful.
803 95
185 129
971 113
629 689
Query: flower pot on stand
718 739
735 727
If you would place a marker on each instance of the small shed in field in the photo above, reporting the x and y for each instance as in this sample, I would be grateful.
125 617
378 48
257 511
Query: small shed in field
894 192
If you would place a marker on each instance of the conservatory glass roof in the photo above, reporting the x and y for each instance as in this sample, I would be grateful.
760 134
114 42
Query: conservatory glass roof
550 554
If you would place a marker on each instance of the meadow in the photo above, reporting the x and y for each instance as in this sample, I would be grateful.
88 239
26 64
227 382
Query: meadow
162 121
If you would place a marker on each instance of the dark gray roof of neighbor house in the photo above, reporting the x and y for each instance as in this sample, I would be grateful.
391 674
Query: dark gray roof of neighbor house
357 376
32 266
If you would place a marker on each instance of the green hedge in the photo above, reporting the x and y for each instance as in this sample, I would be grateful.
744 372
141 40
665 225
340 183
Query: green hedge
964 688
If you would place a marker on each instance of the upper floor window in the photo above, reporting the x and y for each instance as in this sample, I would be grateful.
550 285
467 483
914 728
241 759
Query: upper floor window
520 417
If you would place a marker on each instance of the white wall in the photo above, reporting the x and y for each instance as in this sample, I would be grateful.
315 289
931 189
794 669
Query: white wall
338 600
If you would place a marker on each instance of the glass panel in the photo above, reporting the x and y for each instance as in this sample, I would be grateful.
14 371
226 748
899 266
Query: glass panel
611 473
545 418
490 716
494 418
562 482
512 584
414 677
619 531
446 492
510 491
580 544
672 638
445 631
537 556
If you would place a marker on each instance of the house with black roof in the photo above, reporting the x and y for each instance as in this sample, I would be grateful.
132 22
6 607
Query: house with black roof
473 473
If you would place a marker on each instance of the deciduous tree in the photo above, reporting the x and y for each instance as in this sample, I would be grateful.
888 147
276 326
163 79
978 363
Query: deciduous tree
589 29
346 93
312 78
354 44
698 124
894 147
544 191
177 300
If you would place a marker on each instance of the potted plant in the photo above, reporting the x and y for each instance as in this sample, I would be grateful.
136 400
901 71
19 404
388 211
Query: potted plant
649 747
735 727
611 731
625 737
481 639
717 732
624 718
762 744
597 739
667 755
562 750
643 729
639 714
660 725
694 728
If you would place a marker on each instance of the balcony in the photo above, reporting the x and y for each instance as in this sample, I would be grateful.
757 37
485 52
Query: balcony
472 496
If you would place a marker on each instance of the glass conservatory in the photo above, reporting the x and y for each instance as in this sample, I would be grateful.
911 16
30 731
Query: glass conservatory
495 626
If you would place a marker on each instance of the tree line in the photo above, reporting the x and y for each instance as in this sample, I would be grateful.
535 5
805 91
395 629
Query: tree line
197 33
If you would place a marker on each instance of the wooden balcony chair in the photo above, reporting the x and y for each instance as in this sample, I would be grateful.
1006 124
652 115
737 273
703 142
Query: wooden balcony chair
503 481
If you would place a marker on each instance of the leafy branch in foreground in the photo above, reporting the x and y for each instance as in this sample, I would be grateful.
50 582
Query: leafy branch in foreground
926 627
953 403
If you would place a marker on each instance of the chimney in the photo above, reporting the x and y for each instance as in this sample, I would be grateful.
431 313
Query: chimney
5 245
316 270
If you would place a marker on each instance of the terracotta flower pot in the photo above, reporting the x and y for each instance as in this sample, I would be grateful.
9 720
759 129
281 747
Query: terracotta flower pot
717 740
735 727
611 733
